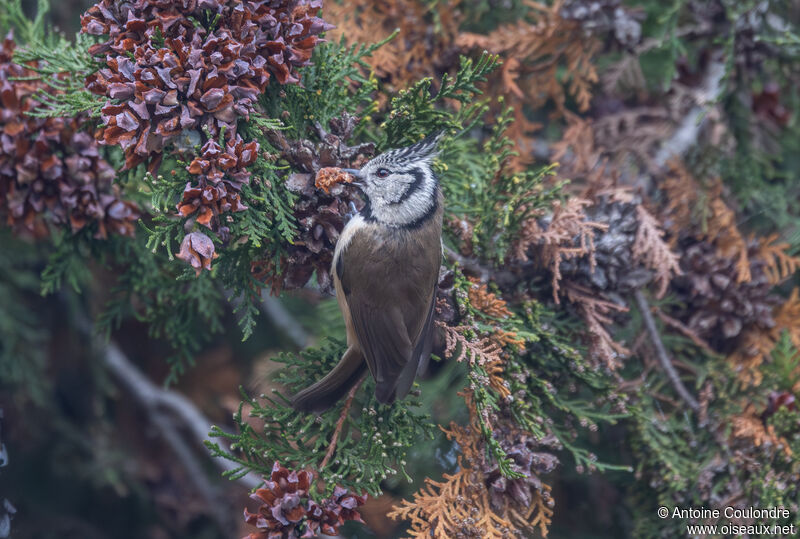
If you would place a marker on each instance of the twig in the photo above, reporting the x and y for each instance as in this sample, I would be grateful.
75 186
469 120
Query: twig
661 352
340 424
683 330
686 134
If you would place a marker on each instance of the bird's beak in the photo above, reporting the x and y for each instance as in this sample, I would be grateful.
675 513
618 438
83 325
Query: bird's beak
356 173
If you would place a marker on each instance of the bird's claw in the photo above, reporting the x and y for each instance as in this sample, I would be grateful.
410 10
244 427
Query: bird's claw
352 213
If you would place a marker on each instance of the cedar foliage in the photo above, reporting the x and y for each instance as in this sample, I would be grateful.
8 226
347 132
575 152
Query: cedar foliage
651 298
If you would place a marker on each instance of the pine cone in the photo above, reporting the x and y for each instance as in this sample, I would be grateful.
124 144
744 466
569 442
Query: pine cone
287 511
601 16
528 459
333 512
50 169
189 65
198 250
283 508
613 271
320 215
220 176
720 306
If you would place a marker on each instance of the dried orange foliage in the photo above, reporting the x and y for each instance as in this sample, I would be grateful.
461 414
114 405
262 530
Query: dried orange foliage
578 138
329 176
681 191
569 221
481 351
596 311
650 250
780 265
757 344
751 427
719 226
460 506
541 54
508 338
535 52
725 234
487 302
410 55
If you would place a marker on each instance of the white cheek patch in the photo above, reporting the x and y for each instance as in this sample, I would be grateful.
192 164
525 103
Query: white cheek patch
410 210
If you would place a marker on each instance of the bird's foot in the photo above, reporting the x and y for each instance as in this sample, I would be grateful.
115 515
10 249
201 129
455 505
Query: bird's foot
352 213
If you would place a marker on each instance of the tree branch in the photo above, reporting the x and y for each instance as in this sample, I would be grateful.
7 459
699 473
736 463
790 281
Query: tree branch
159 402
340 424
661 352
686 134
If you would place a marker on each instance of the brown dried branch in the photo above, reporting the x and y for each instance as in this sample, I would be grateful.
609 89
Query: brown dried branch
340 424
723 231
596 312
481 351
462 505
780 265
415 52
545 58
650 250
485 352
557 241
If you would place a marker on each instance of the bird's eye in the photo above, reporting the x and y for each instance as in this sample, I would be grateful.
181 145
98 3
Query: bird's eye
382 172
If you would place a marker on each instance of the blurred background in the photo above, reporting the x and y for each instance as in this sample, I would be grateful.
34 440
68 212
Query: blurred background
96 446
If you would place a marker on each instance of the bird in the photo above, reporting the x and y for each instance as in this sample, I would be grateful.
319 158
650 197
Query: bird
385 271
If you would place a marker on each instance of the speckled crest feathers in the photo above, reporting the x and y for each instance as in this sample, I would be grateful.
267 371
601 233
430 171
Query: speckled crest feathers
424 150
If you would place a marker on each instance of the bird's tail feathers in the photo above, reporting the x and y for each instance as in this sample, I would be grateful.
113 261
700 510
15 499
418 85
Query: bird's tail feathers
334 386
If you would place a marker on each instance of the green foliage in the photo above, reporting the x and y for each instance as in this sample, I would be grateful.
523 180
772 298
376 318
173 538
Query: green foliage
333 83
480 186
22 337
416 113
783 372
61 63
12 17
372 445
561 389
176 306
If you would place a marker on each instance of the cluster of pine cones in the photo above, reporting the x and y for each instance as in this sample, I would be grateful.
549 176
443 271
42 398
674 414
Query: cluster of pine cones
288 512
165 75
51 170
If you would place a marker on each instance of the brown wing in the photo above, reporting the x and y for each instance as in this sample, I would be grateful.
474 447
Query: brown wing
389 297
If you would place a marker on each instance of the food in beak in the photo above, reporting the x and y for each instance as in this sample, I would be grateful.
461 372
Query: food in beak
329 176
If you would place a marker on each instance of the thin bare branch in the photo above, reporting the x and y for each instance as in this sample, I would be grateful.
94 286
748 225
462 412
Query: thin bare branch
661 352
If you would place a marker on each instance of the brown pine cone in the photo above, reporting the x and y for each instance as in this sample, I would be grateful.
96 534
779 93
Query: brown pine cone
332 512
719 307
528 459
51 169
220 175
320 215
189 65
283 504
613 270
